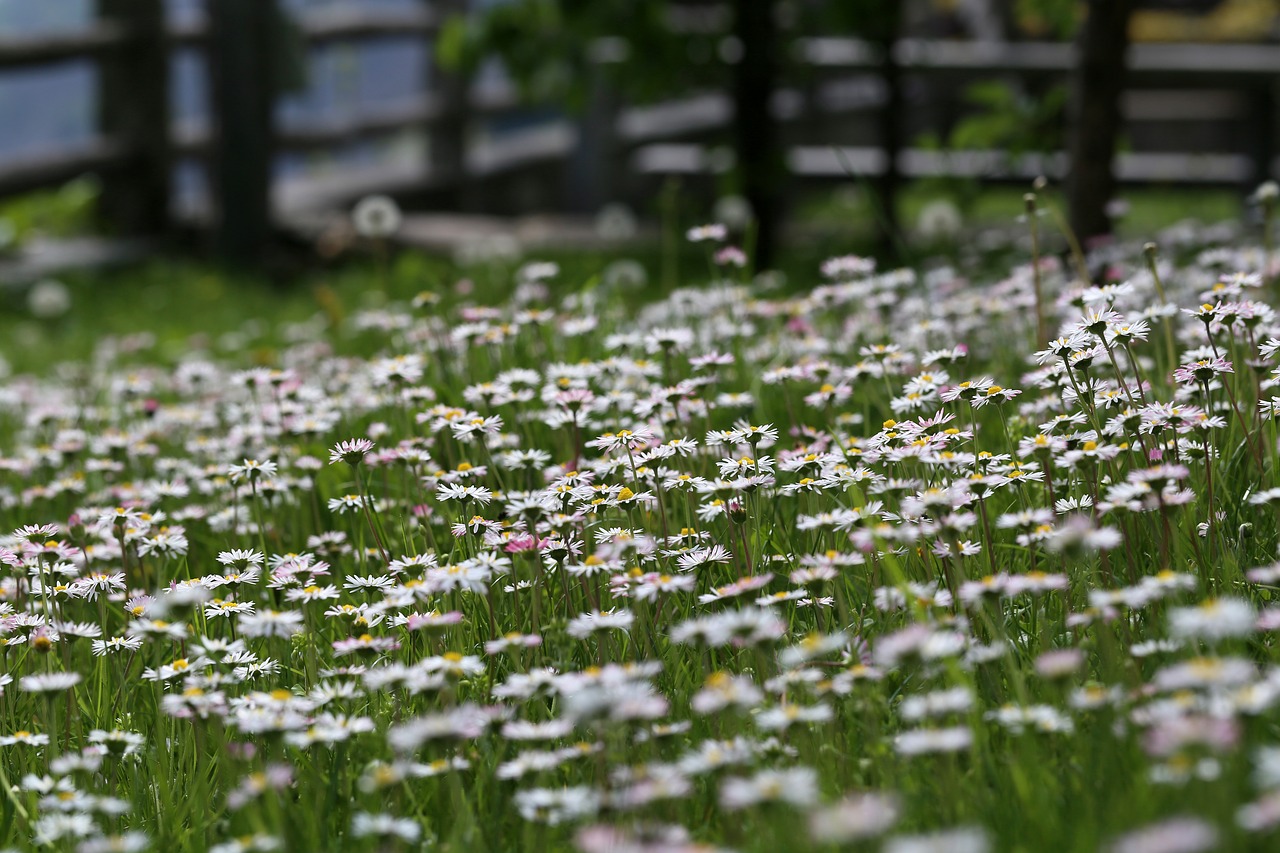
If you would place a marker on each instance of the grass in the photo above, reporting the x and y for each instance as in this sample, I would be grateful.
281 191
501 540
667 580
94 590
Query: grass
176 299
549 562
1150 209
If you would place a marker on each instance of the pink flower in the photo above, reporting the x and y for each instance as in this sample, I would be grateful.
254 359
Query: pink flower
525 542
419 621
731 256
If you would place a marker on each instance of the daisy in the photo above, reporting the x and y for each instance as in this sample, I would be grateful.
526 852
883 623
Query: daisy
1213 620
351 451
270 623
348 504
364 644
25 738
240 558
796 786
465 494
252 470
589 623
365 824
51 682
855 818
714 232
926 741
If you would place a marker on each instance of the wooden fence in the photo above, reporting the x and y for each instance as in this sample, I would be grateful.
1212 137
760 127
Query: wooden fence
137 145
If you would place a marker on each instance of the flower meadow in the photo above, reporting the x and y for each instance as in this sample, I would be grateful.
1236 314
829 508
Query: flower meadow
897 560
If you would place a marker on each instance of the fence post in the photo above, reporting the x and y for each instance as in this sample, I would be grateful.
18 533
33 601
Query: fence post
242 72
589 174
133 108
447 133
1095 119
1264 136
890 127
757 137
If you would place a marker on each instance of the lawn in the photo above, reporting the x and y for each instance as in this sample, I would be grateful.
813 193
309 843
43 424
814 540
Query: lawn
556 555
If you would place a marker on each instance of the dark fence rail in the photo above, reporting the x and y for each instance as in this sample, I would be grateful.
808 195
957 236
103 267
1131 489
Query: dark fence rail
138 144
37 171
96 41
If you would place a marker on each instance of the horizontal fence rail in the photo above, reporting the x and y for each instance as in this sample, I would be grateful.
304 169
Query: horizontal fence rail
1185 61
29 172
87 43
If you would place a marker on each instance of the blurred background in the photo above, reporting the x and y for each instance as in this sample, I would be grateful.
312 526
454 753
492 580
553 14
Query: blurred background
244 131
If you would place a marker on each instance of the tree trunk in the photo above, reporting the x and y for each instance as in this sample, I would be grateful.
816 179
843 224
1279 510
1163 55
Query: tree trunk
757 136
1097 85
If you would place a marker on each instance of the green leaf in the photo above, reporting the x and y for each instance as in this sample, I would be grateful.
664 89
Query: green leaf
455 44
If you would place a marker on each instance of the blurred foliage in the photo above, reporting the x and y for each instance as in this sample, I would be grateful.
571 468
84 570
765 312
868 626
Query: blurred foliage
1150 209
1048 19
1004 118
1011 119
60 212
556 49
877 20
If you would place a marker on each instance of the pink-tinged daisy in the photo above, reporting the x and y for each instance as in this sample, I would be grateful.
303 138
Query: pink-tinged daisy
351 451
